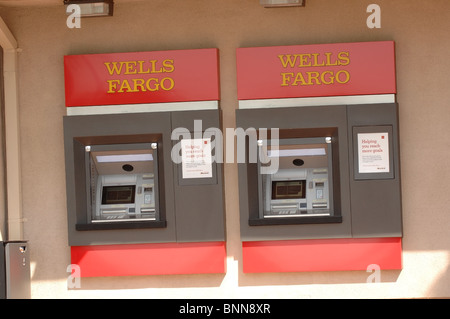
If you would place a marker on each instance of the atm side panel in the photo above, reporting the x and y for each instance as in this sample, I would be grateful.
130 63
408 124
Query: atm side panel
199 202
375 198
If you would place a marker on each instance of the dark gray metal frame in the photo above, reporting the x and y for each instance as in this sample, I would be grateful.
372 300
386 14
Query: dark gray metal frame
369 207
160 221
193 213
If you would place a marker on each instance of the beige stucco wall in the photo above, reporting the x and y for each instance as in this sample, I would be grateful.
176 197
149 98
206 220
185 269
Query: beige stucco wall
420 30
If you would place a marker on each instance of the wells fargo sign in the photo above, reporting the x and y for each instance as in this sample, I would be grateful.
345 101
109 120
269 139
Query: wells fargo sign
316 70
141 77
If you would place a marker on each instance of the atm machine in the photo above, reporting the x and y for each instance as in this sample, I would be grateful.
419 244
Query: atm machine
300 185
333 201
129 211
122 182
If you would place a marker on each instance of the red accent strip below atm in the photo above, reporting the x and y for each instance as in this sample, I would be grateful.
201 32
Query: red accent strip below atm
149 259
321 255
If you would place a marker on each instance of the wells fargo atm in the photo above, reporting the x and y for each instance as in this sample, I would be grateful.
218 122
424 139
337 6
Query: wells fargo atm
134 206
299 186
122 182
324 193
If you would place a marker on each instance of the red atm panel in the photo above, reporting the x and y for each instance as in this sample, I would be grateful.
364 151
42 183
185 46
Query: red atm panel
321 255
149 259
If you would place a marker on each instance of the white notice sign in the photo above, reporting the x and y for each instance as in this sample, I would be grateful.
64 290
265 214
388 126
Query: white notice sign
373 152
196 158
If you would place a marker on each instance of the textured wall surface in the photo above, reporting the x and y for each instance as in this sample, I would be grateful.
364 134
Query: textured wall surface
420 30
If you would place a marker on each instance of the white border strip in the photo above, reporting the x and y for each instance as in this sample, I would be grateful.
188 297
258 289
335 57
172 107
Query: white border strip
142 108
317 101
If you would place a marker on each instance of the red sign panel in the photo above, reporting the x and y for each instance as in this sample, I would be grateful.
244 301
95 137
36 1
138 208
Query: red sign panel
316 70
321 255
142 77
149 259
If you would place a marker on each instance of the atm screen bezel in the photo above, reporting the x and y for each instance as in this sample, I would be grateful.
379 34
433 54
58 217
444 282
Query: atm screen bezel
301 194
110 188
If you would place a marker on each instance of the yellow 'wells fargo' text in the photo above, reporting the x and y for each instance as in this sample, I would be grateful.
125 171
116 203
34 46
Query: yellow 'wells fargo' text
143 83
309 60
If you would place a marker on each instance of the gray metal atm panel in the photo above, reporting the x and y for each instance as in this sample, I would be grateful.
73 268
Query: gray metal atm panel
199 203
287 119
194 209
370 202
375 202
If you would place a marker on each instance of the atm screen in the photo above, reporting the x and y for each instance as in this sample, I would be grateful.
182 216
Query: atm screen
118 194
288 189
